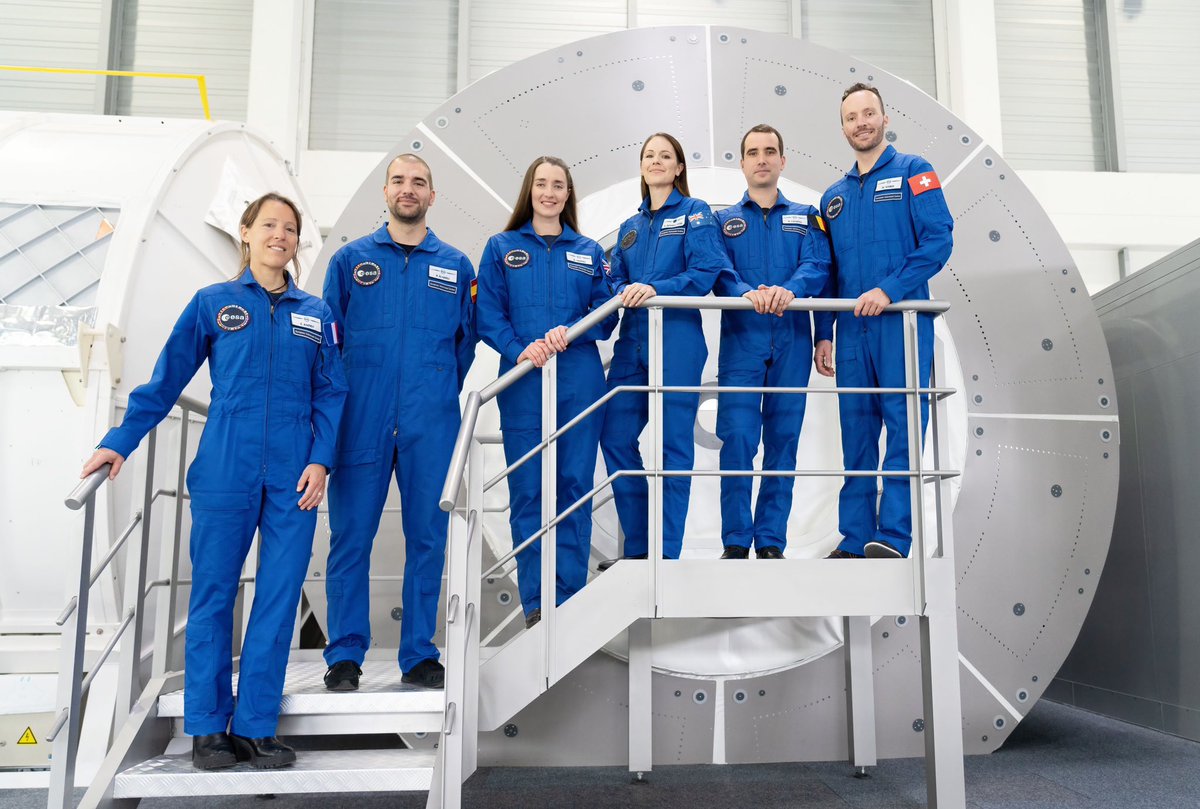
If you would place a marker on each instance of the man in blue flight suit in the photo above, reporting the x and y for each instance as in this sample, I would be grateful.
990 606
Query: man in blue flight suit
779 252
406 302
891 232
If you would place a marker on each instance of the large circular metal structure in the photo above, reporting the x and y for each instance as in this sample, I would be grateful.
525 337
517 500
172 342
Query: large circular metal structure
1034 423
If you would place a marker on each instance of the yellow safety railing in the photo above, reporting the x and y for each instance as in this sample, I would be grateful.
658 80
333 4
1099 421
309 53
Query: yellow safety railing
201 82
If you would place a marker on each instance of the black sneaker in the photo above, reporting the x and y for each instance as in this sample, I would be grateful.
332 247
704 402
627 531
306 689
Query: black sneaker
427 674
263 753
607 563
213 752
838 553
769 553
735 552
532 617
343 676
882 550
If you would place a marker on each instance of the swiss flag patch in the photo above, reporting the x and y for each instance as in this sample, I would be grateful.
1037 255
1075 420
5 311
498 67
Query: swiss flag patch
925 181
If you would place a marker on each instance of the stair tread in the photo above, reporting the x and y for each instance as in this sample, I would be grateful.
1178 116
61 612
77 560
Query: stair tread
394 770
304 692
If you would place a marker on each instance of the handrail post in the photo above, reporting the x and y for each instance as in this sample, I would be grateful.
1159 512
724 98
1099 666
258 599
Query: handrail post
70 676
549 543
474 596
168 562
129 684
655 517
916 489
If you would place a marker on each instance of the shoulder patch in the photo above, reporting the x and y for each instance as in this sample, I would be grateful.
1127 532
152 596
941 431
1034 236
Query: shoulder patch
834 208
366 273
232 318
925 181
734 226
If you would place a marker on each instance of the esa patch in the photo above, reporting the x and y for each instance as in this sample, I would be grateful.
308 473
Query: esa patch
232 318
834 208
516 259
734 227
366 274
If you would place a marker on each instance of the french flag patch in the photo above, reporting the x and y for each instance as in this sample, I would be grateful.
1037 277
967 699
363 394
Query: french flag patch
333 333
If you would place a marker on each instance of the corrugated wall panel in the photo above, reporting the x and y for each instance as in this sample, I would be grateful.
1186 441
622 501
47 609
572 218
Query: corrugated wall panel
505 32
179 36
1049 84
772 16
1158 52
379 66
54 33
897 35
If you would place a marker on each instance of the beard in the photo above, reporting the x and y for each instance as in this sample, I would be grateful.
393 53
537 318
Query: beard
869 145
417 216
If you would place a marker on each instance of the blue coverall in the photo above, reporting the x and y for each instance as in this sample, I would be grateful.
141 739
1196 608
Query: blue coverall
277 397
409 323
783 246
891 229
677 250
525 290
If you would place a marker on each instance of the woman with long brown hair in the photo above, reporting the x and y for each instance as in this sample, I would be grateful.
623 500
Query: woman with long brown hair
535 279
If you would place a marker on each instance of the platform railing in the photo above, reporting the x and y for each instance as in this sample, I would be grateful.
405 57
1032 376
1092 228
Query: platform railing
458 751
73 683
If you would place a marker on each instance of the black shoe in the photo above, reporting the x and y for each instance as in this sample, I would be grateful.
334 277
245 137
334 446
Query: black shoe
838 553
882 550
212 752
769 553
263 753
343 676
533 617
607 563
735 552
428 674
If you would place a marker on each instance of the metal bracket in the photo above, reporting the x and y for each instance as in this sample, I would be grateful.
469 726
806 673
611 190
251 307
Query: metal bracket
114 359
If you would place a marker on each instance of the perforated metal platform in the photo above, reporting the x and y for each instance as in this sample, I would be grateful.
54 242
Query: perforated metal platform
382 702
314 771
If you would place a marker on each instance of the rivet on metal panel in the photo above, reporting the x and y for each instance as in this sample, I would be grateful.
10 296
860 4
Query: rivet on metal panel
994 235
887 634
890 136
1081 591
978 452
396 613
723 38
504 597
949 126
561 60
693 39
739 696
974 377
729 155
510 730
1047 344
639 85
870 77
978 399
1106 455
762 692
1022 695
1001 176
1034 678
442 122
672 37
579 53
999 722
978 431
780 90
743 40
1056 490
695 155
678 693
417 145
345 238
1072 290
1018 608
1099 381
965 139
1106 436
853 70
985 738
458 109
901 620
1103 401
699 696
987 161
1064 272
918 725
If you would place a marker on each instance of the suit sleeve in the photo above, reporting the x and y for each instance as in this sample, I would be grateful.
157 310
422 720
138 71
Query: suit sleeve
812 274
335 292
823 321
617 272
932 224
492 308
704 257
185 351
601 294
729 283
468 334
329 390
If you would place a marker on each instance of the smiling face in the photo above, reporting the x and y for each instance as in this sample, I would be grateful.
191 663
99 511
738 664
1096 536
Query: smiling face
273 236
660 164
863 121
762 160
409 191
549 191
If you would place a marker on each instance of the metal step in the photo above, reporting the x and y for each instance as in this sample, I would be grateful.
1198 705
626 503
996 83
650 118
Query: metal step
382 704
315 771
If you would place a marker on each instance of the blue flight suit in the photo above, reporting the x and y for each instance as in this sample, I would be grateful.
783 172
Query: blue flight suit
891 229
677 250
409 323
525 290
277 397
784 246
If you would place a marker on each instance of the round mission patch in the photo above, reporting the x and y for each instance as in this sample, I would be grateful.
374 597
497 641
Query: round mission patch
734 227
366 274
834 207
232 318
628 240
516 259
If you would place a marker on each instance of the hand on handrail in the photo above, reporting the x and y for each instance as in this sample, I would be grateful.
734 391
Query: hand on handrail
635 295
99 458
871 303
770 300
538 352
556 338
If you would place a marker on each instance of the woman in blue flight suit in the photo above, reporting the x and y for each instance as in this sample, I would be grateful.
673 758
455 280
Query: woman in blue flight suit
277 398
536 276
671 246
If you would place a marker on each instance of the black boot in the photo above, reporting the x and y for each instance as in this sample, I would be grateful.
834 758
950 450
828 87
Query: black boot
212 752
263 753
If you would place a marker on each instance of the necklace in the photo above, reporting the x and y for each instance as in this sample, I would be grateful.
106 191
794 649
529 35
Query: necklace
281 287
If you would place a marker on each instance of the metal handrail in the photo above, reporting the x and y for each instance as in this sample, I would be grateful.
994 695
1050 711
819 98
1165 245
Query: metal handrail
476 399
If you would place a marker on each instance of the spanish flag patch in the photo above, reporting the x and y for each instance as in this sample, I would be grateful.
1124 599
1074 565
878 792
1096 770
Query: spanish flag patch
474 290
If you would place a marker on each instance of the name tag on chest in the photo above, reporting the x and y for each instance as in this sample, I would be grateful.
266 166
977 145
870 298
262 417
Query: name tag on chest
443 280
674 226
795 223
306 326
